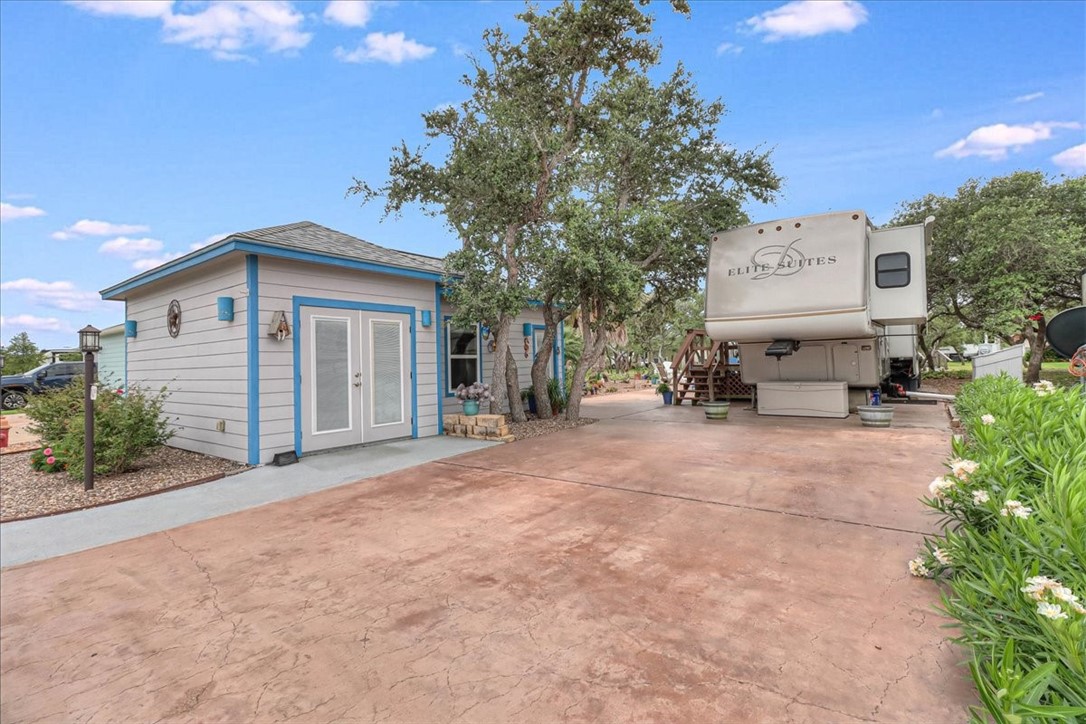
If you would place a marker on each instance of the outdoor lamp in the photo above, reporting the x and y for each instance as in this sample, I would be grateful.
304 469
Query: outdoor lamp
88 339
88 344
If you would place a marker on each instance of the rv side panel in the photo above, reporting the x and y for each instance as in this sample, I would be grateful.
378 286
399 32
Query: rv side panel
803 278
898 274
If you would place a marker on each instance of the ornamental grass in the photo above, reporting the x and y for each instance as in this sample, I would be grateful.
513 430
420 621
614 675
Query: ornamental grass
1012 556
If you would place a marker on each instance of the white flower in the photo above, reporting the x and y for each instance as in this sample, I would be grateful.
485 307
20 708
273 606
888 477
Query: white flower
938 487
1063 593
918 569
1078 608
1050 610
980 497
987 419
1044 388
962 469
1037 585
941 556
1015 508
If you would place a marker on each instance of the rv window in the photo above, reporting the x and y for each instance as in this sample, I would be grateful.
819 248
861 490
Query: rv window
892 270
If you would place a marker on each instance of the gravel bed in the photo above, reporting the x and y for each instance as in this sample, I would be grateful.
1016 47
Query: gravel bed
26 492
536 427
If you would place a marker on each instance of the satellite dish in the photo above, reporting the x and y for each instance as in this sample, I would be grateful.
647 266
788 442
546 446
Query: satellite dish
1067 331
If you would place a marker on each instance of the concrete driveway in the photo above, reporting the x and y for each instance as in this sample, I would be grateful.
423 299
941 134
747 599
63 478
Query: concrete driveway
653 566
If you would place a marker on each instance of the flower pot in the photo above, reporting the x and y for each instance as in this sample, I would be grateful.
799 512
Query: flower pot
471 407
876 415
532 406
667 397
716 410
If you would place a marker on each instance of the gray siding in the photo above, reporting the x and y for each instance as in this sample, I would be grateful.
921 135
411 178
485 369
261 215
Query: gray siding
204 368
516 344
280 281
111 358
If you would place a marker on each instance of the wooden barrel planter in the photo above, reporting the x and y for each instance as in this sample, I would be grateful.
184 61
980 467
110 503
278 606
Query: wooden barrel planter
716 410
876 415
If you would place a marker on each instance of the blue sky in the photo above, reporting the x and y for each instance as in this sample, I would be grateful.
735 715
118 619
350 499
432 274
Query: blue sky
134 132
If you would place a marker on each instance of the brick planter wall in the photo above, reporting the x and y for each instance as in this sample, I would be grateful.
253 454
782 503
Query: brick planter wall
478 427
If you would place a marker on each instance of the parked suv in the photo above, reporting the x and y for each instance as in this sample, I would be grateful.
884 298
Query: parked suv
14 389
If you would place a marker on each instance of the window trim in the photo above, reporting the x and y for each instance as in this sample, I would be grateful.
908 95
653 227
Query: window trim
447 327
908 269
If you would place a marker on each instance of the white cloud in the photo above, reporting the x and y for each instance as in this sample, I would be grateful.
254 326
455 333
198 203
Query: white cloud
30 323
151 263
392 48
936 114
808 18
1029 97
126 8
351 13
226 28
996 141
1073 160
729 49
87 227
460 50
128 248
58 295
9 212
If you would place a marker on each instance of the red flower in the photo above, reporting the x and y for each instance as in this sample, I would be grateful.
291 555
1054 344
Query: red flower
47 451
50 459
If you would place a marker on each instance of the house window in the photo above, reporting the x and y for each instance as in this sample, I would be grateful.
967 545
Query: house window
463 355
892 270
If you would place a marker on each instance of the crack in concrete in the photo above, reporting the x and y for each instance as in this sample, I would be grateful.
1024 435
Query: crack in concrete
687 498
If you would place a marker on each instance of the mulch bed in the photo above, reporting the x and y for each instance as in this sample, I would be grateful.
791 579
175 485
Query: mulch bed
28 493
536 427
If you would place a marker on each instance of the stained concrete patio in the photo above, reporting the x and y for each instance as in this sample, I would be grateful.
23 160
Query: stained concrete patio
654 566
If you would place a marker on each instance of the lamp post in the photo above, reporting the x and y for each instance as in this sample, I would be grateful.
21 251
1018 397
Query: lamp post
89 344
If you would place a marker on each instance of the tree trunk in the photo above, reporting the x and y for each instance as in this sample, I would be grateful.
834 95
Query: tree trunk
1037 343
501 362
595 341
541 362
512 388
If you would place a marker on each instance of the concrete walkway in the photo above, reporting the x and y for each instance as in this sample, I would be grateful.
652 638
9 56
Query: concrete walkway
654 566
33 540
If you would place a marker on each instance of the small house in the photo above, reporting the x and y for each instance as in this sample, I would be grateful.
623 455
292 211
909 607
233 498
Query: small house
302 338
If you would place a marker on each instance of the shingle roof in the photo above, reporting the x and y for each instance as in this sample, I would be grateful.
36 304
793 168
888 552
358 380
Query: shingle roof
307 236
302 236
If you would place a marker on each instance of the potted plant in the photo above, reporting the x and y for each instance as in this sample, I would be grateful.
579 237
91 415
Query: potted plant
471 395
527 396
665 389
557 396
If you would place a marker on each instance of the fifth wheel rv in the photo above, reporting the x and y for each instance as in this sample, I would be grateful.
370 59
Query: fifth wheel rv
823 308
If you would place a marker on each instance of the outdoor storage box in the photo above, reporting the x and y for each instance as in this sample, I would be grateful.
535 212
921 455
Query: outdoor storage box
803 399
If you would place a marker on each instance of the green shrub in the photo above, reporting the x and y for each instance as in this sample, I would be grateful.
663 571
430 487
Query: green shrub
48 460
126 427
1012 554
557 395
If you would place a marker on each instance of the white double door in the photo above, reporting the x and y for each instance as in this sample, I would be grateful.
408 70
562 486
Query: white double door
355 377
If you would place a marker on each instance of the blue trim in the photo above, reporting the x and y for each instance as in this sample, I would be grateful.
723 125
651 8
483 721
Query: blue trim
298 303
252 320
251 247
554 348
440 334
562 348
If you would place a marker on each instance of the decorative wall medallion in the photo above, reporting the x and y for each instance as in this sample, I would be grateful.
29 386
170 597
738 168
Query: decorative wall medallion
173 318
